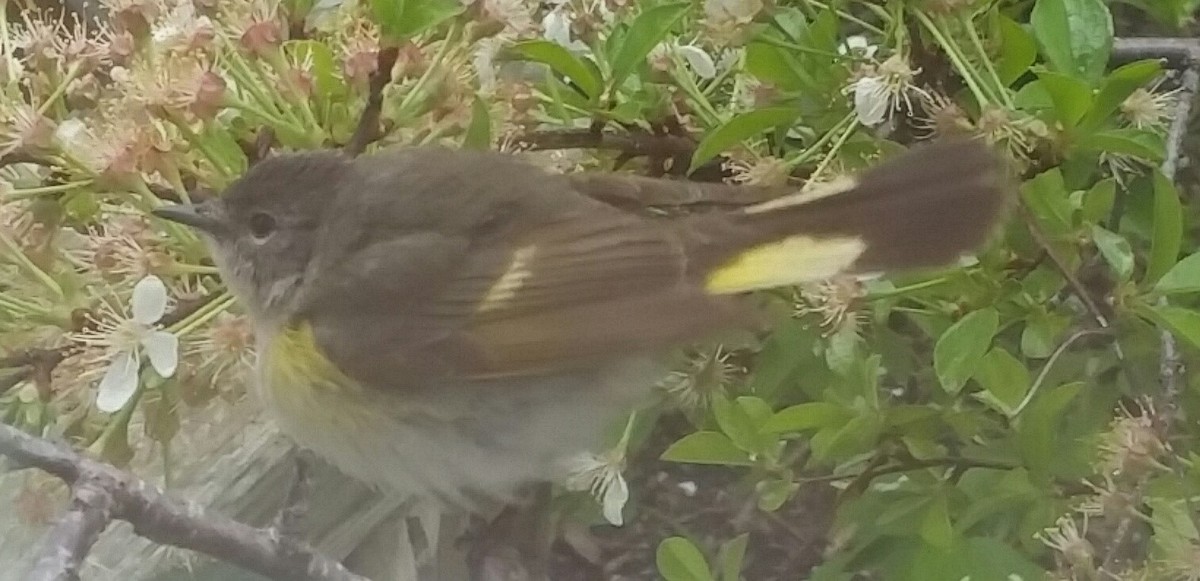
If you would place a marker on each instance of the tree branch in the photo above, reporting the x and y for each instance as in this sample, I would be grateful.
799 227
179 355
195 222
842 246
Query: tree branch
79 528
157 517
367 130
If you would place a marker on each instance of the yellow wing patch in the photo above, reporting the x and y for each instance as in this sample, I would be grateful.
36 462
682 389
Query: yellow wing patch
510 282
790 261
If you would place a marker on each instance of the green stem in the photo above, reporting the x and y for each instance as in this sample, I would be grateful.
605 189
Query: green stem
436 64
833 151
964 69
850 17
820 143
900 291
1001 88
23 261
199 144
246 79
26 193
202 315
184 268
72 72
766 39
12 304
282 67
709 115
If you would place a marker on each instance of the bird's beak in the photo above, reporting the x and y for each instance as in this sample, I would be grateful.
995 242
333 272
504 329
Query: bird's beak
200 216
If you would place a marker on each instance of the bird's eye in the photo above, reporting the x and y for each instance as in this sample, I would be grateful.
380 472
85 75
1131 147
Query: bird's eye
262 225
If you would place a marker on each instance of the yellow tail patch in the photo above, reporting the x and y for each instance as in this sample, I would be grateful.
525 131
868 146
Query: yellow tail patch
793 260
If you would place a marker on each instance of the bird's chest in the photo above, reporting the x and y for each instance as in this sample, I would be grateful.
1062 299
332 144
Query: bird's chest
457 443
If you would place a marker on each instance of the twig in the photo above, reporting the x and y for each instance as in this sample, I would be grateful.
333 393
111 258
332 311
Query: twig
168 521
1170 369
1184 50
295 505
367 130
79 528
1073 281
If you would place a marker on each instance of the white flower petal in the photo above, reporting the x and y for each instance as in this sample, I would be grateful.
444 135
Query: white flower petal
557 27
149 300
870 101
701 63
858 43
118 384
162 348
616 494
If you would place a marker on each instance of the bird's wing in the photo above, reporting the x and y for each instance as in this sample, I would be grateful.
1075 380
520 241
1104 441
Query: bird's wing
573 292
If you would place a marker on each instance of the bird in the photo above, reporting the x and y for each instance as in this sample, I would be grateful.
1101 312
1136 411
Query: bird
453 324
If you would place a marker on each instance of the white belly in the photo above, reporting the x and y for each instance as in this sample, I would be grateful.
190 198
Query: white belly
460 445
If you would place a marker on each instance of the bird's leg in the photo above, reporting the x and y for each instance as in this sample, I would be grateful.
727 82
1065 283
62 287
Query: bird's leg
289 521
516 544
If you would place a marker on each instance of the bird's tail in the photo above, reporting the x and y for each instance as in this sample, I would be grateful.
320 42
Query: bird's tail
924 208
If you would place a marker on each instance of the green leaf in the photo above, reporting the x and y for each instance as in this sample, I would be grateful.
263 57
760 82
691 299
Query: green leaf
479 132
1183 323
1116 251
1168 228
935 524
1076 36
679 560
403 19
1071 97
707 447
1042 333
1184 277
1117 86
731 556
647 30
781 356
990 558
807 416
1004 378
1143 144
561 61
738 129
1018 50
1037 430
1046 195
1098 201
325 81
773 492
960 349
737 424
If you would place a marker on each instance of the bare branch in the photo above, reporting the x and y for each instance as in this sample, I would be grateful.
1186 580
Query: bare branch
367 130
168 521
79 528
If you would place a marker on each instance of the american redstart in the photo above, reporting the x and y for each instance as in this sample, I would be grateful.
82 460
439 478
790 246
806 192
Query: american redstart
455 323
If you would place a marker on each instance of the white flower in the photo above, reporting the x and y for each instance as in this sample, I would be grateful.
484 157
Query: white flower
889 88
858 46
126 340
601 476
872 101
556 27
699 60
662 58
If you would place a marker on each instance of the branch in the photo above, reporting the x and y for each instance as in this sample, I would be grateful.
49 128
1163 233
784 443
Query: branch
1184 50
71 539
367 130
160 518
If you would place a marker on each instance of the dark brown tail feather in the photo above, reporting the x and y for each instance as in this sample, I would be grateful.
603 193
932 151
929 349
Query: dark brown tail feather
924 208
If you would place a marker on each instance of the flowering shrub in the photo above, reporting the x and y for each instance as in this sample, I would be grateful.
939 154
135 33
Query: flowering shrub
1024 415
